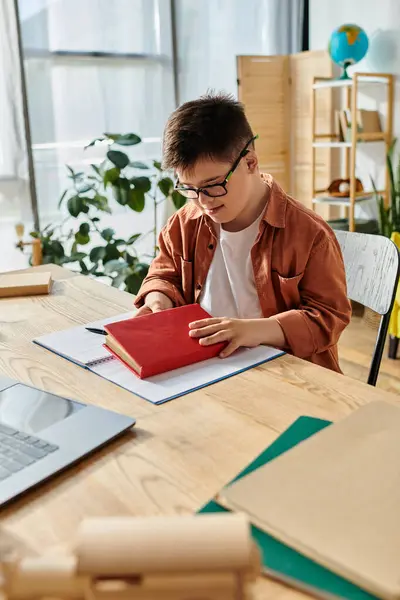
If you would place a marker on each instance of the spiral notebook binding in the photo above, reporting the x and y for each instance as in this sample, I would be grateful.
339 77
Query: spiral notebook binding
100 361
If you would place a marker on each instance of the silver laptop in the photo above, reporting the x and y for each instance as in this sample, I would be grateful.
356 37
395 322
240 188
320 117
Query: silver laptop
41 434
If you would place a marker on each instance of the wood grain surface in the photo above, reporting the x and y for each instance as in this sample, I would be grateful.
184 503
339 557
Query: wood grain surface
179 454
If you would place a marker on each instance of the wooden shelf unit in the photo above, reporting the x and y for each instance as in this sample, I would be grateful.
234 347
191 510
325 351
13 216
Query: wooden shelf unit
329 140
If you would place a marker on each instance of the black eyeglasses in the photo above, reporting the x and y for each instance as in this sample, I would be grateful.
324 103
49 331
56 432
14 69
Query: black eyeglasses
215 189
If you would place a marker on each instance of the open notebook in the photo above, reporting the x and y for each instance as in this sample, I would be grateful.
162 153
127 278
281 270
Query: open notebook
86 350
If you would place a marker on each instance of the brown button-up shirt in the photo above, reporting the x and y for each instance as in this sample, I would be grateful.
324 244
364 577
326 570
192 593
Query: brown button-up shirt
298 271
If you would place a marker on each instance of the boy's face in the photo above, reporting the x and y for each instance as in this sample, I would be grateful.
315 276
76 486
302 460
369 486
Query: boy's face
206 172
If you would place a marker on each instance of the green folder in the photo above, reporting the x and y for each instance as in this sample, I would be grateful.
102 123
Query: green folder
285 563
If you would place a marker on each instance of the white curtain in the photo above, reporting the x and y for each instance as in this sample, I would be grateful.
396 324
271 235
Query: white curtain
13 161
211 33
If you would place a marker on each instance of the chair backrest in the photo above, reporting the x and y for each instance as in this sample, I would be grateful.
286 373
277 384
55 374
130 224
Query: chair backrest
372 269
372 273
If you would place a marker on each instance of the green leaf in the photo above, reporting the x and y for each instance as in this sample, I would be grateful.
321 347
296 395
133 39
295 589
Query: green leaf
73 174
119 159
85 187
130 259
62 198
133 239
107 234
94 142
137 164
83 267
96 169
121 191
391 175
100 202
95 220
126 139
118 280
134 280
84 228
110 176
112 253
178 200
141 183
115 265
98 253
166 186
82 239
57 248
136 200
75 206
77 256
157 165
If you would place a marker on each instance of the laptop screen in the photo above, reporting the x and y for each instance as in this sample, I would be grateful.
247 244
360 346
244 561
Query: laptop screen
31 410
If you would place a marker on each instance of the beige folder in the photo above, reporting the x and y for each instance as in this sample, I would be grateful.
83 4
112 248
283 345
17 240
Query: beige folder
24 284
336 498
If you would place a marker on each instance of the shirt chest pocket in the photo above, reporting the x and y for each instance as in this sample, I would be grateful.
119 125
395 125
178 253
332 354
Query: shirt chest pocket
287 290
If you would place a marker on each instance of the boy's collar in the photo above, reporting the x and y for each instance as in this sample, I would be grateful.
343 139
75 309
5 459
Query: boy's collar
275 211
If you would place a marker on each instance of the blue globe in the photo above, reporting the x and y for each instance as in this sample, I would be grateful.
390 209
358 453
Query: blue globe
347 46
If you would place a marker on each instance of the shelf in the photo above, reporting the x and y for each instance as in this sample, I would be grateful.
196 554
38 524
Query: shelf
335 83
335 201
361 138
331 144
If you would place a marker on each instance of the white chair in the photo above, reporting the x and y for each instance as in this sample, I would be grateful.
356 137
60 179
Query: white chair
372 273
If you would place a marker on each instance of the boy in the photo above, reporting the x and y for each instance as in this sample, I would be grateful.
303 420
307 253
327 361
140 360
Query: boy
268 270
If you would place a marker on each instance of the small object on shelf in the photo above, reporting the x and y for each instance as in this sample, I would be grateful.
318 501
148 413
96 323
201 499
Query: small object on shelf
347 46
338 193
340 188
368 124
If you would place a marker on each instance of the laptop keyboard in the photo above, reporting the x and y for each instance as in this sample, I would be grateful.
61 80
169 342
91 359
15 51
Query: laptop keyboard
19 450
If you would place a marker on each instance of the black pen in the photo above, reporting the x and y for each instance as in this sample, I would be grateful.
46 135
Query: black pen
94 330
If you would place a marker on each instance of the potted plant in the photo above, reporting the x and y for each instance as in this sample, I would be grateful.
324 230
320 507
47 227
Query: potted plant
87 200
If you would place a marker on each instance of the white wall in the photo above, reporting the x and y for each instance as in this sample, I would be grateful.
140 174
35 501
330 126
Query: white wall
381 21
326 15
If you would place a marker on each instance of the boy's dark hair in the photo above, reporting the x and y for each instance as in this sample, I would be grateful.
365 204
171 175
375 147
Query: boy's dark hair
214 126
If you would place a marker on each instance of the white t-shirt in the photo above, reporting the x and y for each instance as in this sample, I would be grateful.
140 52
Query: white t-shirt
230 289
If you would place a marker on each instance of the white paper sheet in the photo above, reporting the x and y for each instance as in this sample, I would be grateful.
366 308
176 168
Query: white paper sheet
173 384
77 344
86 350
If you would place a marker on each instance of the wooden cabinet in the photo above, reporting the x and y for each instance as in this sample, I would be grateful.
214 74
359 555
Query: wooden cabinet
277 94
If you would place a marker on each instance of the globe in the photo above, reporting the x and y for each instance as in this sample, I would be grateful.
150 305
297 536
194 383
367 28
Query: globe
347 46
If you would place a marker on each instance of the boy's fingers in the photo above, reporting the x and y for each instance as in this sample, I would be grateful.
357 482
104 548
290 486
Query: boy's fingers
230 349
204 331
221 336
204 323
143 310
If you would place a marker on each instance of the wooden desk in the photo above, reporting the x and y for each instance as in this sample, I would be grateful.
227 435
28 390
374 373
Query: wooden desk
58 273
181 453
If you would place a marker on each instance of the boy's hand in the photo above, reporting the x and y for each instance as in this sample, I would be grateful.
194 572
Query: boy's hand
154 302
237 332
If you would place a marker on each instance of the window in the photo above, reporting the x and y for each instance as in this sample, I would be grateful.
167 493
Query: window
93 66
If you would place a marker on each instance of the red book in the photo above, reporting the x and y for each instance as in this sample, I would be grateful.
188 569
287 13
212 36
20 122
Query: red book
159 342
